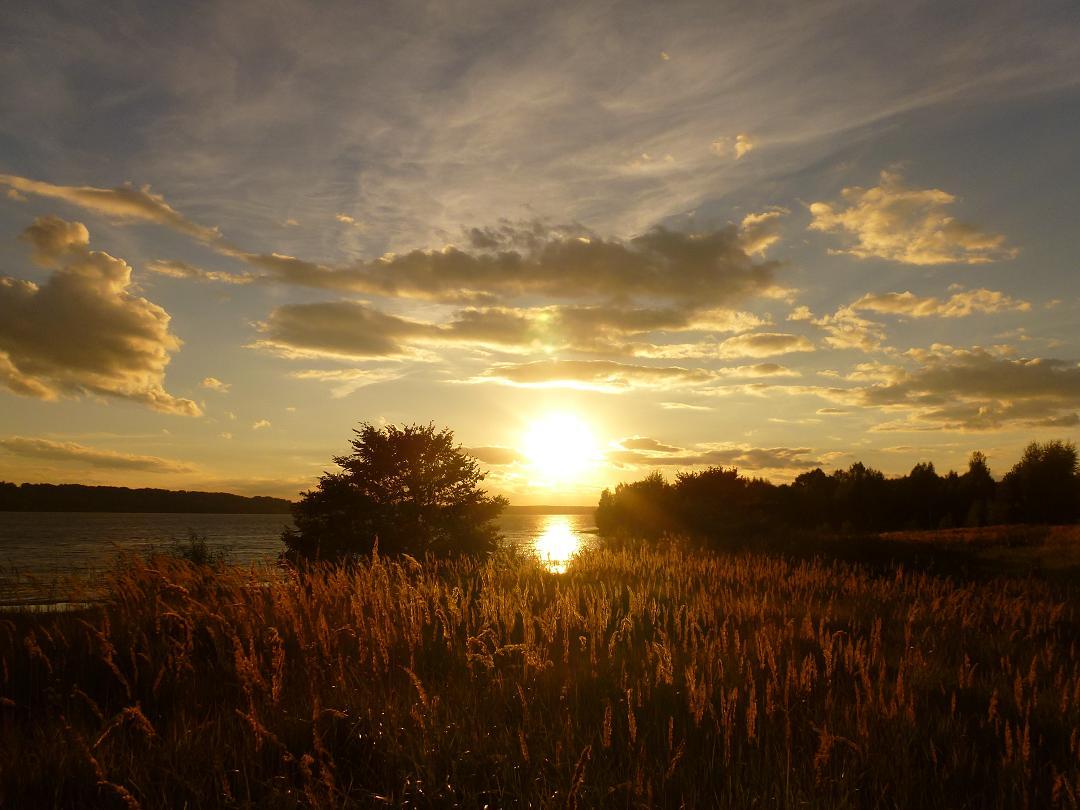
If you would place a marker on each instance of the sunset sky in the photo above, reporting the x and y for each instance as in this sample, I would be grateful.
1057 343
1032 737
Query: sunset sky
637 236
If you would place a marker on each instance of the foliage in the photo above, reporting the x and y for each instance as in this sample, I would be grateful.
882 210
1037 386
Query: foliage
197 551
1043 487
408 490
83 498
654 677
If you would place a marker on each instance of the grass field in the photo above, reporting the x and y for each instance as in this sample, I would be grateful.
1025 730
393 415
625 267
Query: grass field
666 678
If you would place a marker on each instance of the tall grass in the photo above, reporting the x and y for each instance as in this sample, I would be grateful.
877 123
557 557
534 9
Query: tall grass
667 678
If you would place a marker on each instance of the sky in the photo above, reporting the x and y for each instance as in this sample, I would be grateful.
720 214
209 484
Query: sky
594 239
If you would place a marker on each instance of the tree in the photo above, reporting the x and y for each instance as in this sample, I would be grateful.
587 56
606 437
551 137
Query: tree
409 489
1044 486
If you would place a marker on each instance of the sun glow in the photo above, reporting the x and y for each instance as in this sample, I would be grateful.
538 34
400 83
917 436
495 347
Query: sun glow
560 448
557 545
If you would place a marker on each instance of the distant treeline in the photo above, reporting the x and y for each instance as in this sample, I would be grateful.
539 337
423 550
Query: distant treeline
1043 487
81 498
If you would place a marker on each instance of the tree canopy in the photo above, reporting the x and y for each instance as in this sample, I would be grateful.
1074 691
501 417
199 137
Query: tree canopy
408 489
1043 487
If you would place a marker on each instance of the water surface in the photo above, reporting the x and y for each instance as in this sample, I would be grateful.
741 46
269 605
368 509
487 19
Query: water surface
39 550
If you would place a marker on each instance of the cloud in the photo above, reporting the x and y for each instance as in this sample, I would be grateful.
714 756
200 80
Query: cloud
499 456
758 232
908 225
358 330
800 313
846 329
347 380
683 406
175 269
700 269
73 453
83 331
596 375
743 145
645 443
345 219
123 203
261 424
968 389
958 305
345 329
744 457
737 147
214 384
763 344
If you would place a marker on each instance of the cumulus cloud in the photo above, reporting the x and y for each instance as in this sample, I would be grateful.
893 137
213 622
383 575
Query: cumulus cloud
83 331
596 375
498 456
758 232
908 225
763 344
958 305
214 384
846 329
73 453
124 203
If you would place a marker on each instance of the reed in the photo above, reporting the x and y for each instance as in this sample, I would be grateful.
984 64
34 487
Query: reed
640 677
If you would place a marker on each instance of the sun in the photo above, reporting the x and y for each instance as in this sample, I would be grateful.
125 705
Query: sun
559 447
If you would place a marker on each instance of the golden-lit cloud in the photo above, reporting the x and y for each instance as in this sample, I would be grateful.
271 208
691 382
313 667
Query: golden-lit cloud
846 329
123 203
175 269
83 331
214 384
759 232
650 453
81 455
597 375
763 344
958 305
909 225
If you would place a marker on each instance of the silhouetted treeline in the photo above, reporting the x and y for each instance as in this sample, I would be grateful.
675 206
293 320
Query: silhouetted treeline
81 498
1043 487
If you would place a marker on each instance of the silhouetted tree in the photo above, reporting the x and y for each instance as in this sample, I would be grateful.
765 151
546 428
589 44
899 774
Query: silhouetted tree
1044 486
410 489
977 488
645 508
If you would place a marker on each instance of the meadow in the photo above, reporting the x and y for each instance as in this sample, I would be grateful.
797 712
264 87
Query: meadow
659 676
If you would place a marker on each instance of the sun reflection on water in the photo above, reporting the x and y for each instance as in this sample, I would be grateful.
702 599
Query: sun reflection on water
557 545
